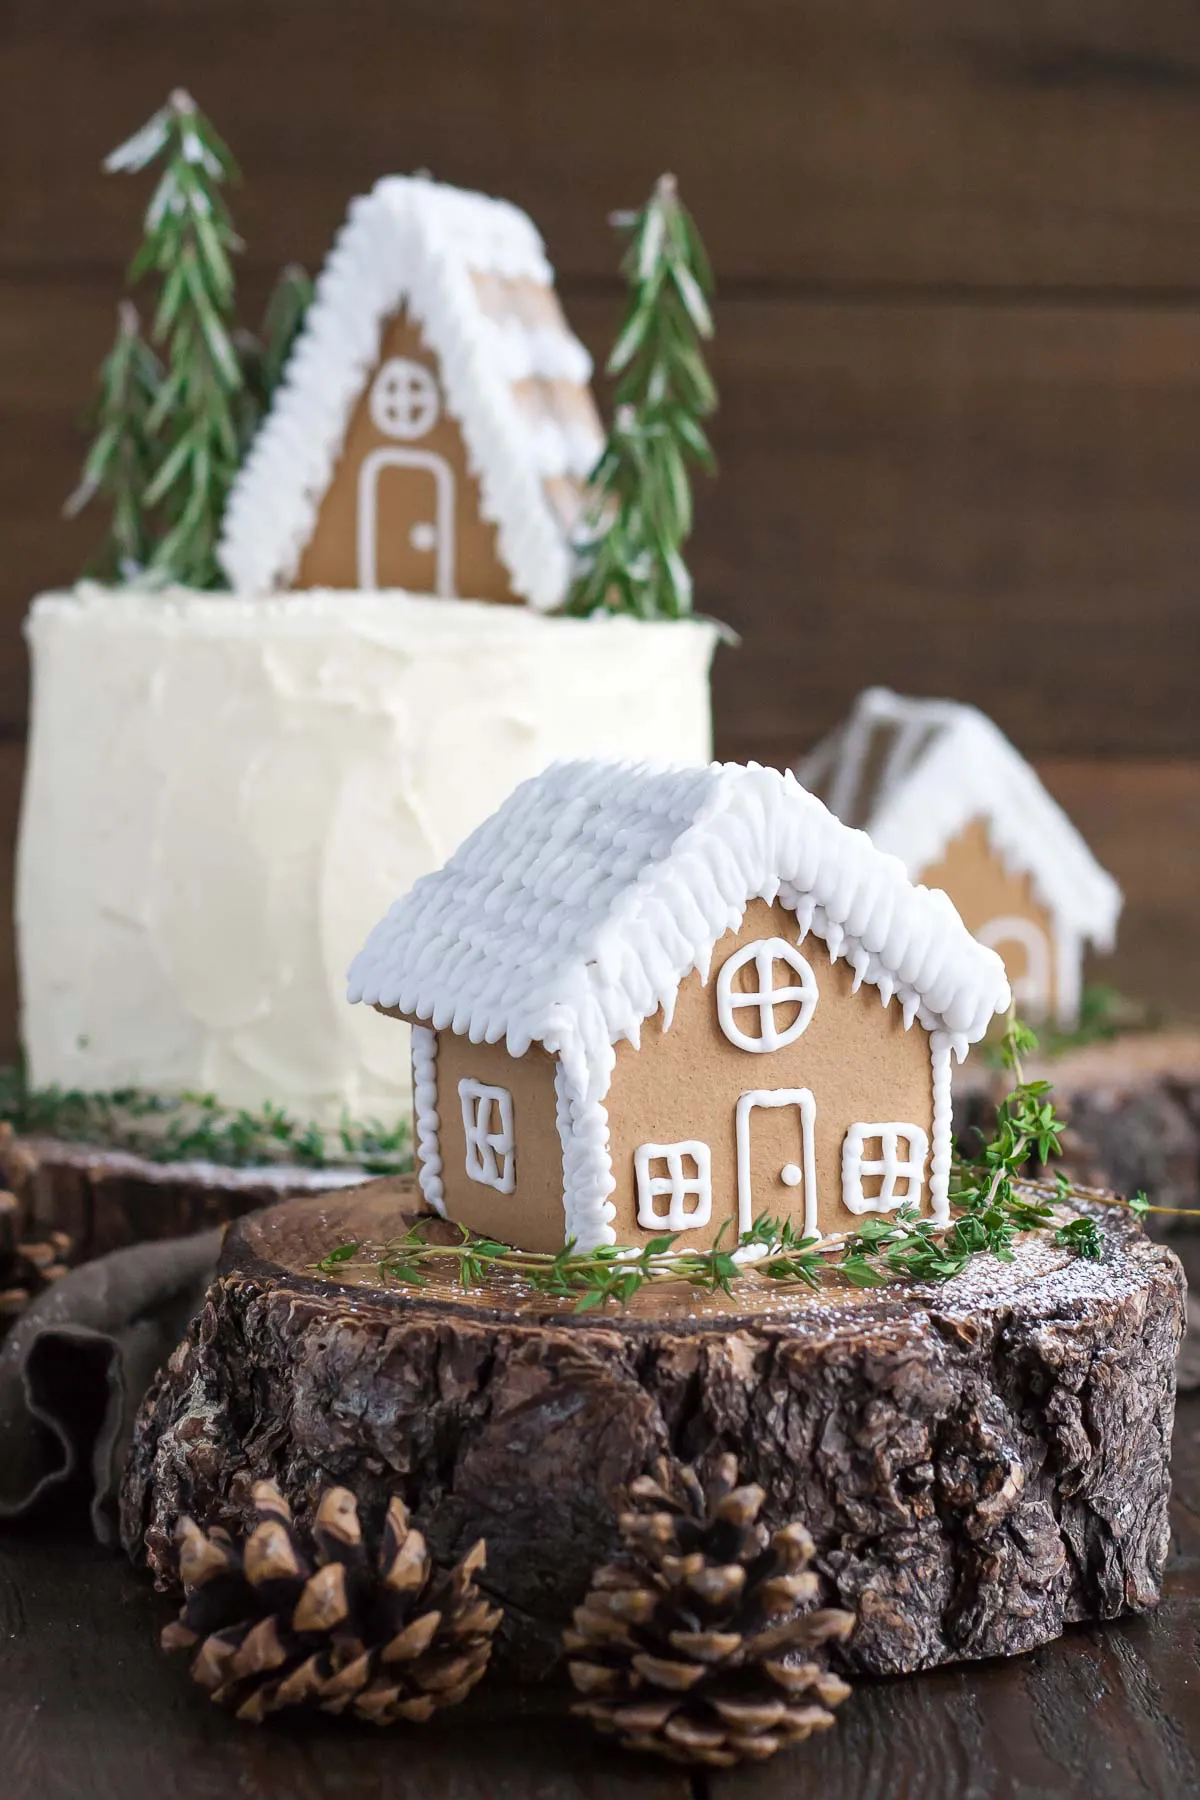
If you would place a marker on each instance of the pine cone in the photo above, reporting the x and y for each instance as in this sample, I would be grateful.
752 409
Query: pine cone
693 1645
284 1621
30 1260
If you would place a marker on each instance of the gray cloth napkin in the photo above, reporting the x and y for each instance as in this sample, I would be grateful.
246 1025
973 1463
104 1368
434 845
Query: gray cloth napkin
76 1364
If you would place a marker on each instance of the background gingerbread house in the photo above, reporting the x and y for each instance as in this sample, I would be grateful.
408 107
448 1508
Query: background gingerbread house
678 1000
434 427
939 785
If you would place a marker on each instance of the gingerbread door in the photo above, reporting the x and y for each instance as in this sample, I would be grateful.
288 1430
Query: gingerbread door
406 521
776 1161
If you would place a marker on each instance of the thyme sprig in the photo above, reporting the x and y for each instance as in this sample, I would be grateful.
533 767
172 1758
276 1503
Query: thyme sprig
992 1196
1104 1014
1083 1237
591 1278
989 1194
191 1127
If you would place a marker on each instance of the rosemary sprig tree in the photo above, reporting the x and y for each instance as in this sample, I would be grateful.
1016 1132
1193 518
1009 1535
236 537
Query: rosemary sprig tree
264 354
169 439
640 506
121 458
189 240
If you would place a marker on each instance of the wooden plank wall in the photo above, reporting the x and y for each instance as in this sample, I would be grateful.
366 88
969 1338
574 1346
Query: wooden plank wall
959 328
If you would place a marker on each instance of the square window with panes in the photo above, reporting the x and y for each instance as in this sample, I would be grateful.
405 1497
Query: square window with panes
883 1167
487 1116
674 1185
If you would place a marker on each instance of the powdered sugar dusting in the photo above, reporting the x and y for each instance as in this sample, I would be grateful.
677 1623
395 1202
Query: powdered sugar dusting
1043 1281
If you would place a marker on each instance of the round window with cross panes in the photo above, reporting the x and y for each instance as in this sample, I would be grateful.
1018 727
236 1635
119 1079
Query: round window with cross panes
404 399
766 993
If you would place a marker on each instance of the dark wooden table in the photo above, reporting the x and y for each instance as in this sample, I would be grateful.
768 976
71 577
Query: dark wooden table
91 1710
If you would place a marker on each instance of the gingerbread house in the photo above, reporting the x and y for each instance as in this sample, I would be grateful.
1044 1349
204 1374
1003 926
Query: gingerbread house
939 785
434 427
648 1000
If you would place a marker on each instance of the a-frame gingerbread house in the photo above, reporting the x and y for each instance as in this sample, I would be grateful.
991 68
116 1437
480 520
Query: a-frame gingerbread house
434 427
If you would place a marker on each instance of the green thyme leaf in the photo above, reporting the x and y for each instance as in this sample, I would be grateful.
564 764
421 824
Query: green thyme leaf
860 1272
1081 1236
197 1127
342 1253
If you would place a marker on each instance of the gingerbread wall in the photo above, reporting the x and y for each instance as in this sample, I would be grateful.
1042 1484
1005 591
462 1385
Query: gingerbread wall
532 1215
983 890
855 1056
404 499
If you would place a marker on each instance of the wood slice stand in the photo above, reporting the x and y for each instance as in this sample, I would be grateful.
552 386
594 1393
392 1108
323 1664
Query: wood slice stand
979 1464
106 1199
1134 1110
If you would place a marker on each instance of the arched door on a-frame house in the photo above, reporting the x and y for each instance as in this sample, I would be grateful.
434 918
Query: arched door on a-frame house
997 902
405 512
406 497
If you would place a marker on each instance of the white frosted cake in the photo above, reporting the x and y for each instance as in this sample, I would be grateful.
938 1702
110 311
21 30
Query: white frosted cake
223 794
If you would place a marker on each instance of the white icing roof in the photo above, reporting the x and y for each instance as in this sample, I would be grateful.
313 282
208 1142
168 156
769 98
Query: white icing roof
473 274
914 773
575 911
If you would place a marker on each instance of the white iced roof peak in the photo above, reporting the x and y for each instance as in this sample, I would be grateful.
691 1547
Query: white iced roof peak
574 913
914 773
473 275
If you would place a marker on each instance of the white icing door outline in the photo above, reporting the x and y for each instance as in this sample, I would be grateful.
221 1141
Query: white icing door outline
802 1174
1032 987
389 457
